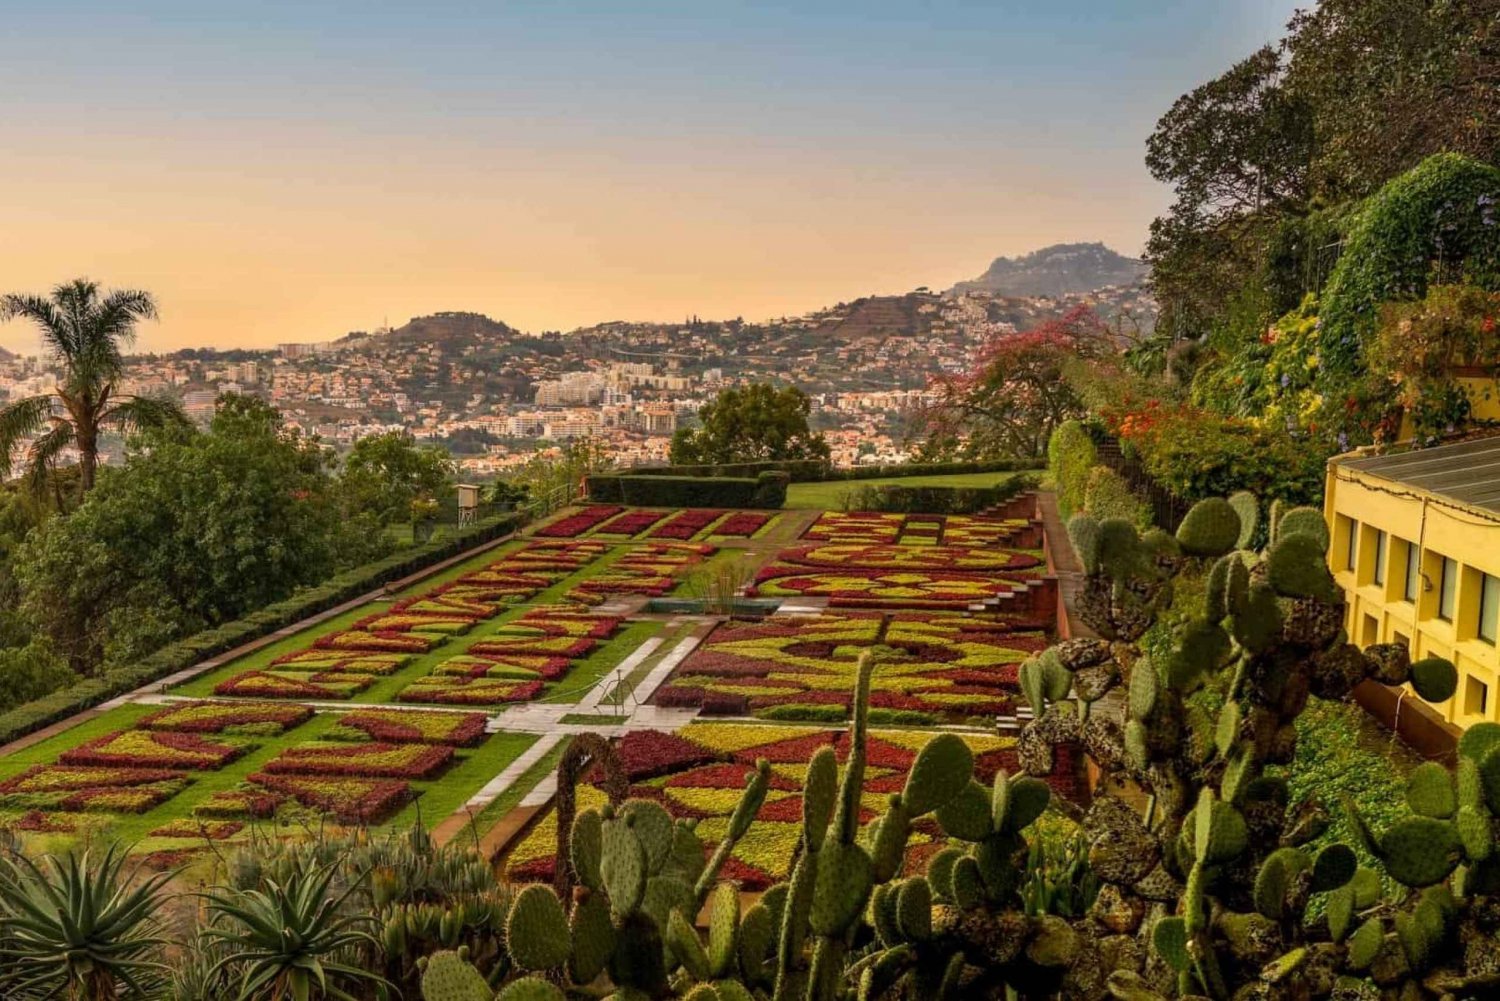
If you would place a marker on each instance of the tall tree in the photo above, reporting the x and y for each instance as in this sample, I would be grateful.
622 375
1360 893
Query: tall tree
85 331
751 423
1016 394
385 473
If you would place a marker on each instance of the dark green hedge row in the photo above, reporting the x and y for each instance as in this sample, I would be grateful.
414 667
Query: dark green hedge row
768 490
937 500
185 653
816 470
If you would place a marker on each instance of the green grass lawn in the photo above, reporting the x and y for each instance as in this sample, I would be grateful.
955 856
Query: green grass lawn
385 689
830 495
437 798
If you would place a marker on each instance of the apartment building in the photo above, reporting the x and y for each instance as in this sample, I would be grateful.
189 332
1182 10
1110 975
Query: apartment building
1415 544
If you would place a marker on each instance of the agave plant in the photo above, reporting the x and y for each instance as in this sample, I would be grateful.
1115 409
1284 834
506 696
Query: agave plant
79 927
292 939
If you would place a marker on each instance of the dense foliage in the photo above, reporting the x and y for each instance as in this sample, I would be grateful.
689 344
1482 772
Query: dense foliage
750 423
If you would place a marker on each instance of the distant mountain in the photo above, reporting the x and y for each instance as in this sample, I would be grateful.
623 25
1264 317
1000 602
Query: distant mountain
1057 270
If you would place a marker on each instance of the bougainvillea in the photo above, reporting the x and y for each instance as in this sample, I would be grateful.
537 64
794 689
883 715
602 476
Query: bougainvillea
372 760
803 667
699 773
350 800
576 524
143 749
219 717
393 726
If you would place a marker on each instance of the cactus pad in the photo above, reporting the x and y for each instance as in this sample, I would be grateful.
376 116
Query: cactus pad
1211 528
593 937
1307 521
1247 506
530 989
840 889
622 866
1419 851
941 771
536 932
448 977
1295 568
1429 791
968 815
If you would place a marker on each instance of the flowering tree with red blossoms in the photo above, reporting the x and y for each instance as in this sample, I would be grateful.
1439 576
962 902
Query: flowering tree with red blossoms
1015 394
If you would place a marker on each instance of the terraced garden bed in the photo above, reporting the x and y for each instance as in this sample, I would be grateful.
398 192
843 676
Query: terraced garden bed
700 771
615 523
958 667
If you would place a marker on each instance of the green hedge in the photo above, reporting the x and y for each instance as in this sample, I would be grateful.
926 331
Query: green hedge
816 470
937 500
1071 455
194 649
768 490
1107 495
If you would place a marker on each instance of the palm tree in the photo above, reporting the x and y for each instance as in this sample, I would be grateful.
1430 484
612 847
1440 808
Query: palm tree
85 333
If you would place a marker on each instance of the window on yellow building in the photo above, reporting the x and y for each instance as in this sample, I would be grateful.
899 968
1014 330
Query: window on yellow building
1476 697
1413 573
1378 574
1447 589
1489 607
1351 545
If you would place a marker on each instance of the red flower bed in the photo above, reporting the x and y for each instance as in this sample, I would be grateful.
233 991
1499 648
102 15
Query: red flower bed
215 717
350 800
375 760
63 778
356 639
142 749
631 523
578 523
686 524
515 667
743 524
394 726
235 803
648 753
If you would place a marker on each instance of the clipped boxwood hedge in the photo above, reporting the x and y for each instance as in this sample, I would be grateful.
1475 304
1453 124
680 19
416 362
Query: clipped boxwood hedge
896 498
768 490
816 470
185 653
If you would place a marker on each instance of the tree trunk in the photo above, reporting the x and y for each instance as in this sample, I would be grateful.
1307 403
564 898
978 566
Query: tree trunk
88 461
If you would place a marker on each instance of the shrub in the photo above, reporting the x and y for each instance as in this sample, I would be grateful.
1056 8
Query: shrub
688 491
1070 457
1107 495
936 499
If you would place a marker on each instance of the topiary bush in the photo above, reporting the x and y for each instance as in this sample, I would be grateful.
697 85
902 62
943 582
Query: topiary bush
1071 456
1107 495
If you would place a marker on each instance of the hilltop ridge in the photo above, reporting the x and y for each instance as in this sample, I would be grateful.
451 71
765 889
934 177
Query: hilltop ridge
1060 269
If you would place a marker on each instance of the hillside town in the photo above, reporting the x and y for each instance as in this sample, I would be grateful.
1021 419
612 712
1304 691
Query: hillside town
494 395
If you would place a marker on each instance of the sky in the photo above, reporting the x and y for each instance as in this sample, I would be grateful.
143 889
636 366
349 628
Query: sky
293 171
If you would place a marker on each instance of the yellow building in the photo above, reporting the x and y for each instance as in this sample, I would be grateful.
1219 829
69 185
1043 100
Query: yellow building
1416 548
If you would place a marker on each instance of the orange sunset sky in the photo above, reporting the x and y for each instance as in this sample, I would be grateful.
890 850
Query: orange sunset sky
310 170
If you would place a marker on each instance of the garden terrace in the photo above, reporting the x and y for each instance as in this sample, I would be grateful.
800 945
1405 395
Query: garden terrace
622 524
699 773
955 667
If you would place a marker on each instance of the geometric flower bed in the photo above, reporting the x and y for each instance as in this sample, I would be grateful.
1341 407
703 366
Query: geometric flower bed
143 749
578 523
350 800
80 789
742 525
239 803
855 526
393 726
372 760
511 664
708 776
854 588
265 718
630 523
648 570
863 556
686 524
342 664
450 690
283 684
802 668
211 830
968 531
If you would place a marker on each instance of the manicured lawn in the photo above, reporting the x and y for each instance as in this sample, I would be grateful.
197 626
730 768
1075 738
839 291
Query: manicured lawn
832 495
